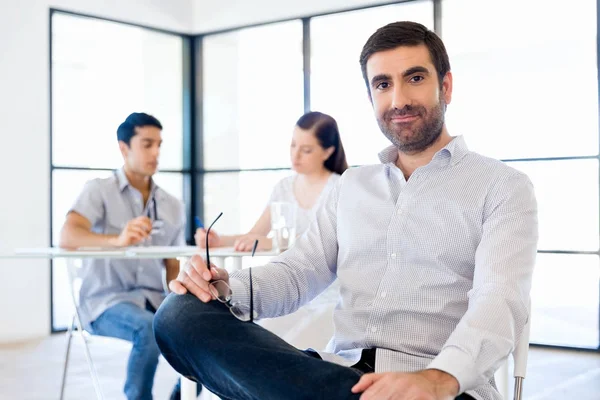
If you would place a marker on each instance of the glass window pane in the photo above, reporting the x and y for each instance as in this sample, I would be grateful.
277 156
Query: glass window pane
253 95
66 186
171 182
528 91
337 85
564 299
101 72
242 197
567 196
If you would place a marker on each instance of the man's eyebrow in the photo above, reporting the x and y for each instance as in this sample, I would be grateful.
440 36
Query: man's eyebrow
415 70
379 78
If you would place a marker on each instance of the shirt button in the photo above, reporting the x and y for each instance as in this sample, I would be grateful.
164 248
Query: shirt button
393 255
399 211
373 329
383 294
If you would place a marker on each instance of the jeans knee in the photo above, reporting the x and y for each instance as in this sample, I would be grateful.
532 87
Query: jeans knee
144 339
182 316
170 316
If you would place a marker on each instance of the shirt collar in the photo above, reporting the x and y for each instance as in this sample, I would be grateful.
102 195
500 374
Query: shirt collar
453 152
124 182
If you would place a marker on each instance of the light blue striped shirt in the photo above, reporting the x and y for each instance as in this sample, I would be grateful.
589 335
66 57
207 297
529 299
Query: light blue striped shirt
434 272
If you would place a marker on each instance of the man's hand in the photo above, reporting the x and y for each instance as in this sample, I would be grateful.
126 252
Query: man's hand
213 238
134 232
194 277
428 384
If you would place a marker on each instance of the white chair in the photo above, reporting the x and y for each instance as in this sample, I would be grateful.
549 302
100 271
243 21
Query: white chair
520 355
74 271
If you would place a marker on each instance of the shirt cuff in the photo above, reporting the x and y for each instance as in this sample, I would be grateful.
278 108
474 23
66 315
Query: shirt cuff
239 293
460 365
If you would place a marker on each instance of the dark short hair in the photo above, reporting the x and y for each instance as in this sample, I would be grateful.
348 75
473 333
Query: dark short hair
135 120
327 133
406 33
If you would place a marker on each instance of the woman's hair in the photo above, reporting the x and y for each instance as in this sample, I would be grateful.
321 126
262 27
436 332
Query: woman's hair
327 133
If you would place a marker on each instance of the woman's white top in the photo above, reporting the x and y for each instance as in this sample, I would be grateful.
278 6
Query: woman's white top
284 191
312 324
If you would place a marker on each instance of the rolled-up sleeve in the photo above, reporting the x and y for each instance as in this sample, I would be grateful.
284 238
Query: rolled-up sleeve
89 203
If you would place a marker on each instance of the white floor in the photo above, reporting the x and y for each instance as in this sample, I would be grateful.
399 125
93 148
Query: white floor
33 370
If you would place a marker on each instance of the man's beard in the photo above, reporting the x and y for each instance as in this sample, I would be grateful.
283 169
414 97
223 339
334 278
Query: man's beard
423 131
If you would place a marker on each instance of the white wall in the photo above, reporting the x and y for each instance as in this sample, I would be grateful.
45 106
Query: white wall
24 145
211 15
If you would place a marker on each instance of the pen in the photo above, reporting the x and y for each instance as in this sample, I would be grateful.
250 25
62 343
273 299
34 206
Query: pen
199 224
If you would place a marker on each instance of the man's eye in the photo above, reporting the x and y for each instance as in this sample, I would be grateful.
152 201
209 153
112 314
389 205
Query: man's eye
383 85
416 79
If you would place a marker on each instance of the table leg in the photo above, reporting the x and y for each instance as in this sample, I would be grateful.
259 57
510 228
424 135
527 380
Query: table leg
237 263
188 387
218 261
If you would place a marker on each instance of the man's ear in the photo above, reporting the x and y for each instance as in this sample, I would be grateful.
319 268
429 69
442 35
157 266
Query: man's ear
447 87
124 148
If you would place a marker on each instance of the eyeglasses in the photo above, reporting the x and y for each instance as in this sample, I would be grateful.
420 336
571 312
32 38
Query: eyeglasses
222 292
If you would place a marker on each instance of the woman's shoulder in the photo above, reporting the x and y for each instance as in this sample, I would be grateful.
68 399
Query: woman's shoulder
287 182
283 189
334 177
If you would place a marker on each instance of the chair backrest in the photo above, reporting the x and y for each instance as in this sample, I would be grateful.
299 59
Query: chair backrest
75 274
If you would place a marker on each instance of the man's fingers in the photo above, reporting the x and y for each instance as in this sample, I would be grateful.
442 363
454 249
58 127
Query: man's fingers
177 287
198 278
134 237
203 295
365 381
138 230
379 390
142 222
219 273
197 263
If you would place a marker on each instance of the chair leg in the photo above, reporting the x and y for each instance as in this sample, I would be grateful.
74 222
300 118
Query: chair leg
88 356
518 388
65 367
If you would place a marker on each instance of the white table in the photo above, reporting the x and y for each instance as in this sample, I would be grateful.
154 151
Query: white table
218 257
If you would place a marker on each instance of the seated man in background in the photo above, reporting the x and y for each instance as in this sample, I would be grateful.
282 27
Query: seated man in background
434 251
118 298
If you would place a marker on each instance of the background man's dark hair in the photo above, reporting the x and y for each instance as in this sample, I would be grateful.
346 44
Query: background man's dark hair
406 33
135 120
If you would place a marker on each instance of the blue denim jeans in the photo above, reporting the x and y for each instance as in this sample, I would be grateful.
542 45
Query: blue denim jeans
239 360
129 322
